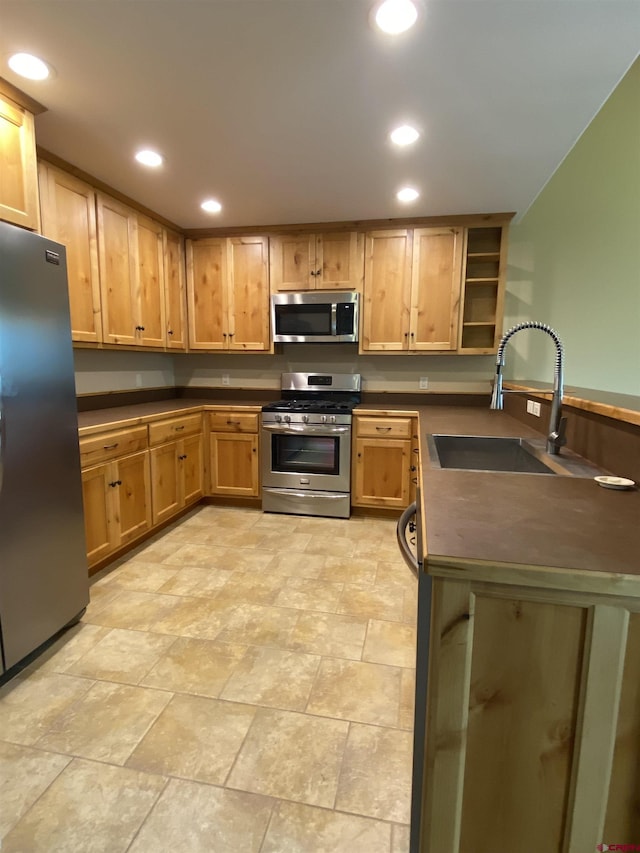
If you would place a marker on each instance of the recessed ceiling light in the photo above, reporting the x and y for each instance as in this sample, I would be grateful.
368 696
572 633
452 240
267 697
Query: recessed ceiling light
404 135
211 206
396 16
29 66
407 194
149 158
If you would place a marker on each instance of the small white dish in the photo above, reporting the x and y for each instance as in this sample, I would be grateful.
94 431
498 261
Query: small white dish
614 482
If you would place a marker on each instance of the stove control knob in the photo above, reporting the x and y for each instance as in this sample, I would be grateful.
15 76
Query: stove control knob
287 418
278 418
332 419
305 419
323 419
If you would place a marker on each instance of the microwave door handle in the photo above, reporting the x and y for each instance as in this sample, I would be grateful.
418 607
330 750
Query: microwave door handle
334 319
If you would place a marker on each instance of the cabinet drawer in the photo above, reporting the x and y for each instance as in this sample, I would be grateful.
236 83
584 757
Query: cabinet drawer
109 445
383 427
171 428
233 422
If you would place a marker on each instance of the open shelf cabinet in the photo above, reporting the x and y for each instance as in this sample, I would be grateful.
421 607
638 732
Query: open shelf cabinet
483 289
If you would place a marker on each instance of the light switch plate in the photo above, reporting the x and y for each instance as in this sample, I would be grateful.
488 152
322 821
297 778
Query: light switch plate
424 383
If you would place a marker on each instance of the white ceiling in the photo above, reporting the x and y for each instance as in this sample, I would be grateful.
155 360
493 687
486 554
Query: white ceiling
281 109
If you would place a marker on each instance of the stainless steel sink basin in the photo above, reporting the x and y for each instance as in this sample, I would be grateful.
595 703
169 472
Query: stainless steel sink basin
488 453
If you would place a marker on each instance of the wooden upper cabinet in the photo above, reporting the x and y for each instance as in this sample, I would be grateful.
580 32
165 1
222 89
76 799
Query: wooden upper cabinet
174 283
248 293
149 306
206 293
118 252
387 291
412 287
18 166
131 256
436 272
68 209
327 261
228 293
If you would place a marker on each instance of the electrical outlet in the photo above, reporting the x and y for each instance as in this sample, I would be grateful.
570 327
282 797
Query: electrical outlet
529 407
533 408
225 378
424 383
536 409
138 380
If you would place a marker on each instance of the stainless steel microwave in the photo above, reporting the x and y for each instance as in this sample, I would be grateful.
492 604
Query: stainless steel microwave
314 317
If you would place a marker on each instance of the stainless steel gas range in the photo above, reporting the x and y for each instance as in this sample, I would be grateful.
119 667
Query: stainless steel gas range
306 445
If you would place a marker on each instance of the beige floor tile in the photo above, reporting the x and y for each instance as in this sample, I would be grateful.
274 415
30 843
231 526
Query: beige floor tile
153 552
136 611
400 838
293 756
330 546
372 603
202 618
24 774
390 642
99 597
199 667
247 559
350 570
255 587
376 773
195 738
410 609
124 656
260 625
396 575
307 829
297 564
325 526
193 818
351 690
143 576
273 677
407 699
329 635
107 723
68 648
379 549
89 808
310 594
29 704
199 556
276 523
199 582
274 541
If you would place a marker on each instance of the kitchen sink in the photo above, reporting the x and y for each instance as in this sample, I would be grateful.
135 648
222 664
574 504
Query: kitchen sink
488 453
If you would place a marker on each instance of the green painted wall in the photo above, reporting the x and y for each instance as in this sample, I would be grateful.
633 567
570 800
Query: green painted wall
574 258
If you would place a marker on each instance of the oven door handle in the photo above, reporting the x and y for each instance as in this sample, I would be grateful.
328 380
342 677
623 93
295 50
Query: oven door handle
306 430
325 496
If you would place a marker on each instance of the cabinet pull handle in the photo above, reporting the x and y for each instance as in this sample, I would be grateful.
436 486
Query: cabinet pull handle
231 334
414 480
183 456
416 450
178 428
318 272
140 328
169 331
115 483
233 423
109 446
406 335
313 273
413 468
382 429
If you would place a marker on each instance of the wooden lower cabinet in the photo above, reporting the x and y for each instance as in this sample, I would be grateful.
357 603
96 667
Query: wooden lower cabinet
382 462
176 476
533 720
117 504
233 464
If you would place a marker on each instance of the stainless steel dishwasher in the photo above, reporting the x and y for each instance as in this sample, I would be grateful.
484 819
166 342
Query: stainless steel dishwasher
409 533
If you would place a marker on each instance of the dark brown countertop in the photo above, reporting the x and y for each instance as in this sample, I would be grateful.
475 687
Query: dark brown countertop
522 519
127 416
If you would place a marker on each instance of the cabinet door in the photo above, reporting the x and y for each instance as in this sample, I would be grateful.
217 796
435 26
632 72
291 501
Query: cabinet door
248 293
165 480
233 464
19 172
150 322
387 289
133 494
191 461
435 288
68 208
292 259
118 252
339 261
100 532
206 293
381 472
174 276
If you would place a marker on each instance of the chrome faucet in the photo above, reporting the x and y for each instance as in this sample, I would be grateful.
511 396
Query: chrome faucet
557 424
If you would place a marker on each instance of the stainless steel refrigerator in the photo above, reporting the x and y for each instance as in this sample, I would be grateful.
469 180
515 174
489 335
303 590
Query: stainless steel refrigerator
43 568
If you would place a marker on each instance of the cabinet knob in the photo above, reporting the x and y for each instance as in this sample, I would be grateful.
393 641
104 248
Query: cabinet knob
313 273
169 331
231 334
318 272
140 328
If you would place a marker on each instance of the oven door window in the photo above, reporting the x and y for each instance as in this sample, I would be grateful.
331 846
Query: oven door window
305 454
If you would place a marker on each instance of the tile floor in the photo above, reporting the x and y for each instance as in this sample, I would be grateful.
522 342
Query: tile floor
242 682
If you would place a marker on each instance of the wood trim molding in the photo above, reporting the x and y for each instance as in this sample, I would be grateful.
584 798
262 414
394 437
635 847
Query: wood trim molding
28 103
618 411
